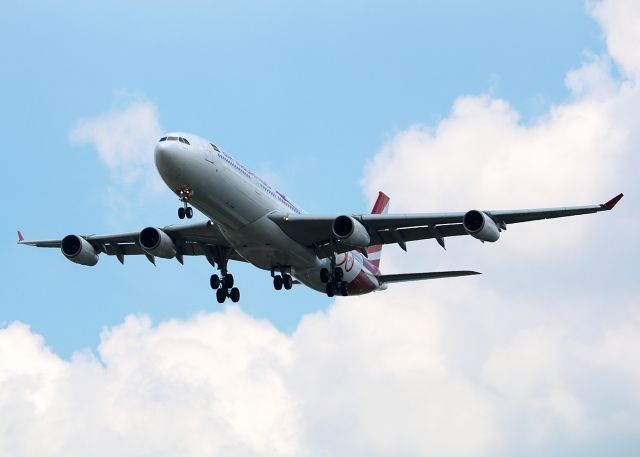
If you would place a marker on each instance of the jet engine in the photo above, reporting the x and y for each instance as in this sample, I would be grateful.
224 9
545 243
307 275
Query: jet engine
79 250
480 226
157 243
350 232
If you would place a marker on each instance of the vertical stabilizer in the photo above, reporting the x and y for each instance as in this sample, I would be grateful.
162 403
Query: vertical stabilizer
380 207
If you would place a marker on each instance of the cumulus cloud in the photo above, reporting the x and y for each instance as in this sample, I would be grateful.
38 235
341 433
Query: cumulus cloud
213 385
372 376
619 21
472 366
124 139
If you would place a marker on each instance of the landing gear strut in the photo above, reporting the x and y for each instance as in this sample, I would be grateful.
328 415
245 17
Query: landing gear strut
224 286
185 195
334 279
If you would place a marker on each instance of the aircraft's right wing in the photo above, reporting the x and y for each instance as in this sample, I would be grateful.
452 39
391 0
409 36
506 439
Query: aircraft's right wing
202 238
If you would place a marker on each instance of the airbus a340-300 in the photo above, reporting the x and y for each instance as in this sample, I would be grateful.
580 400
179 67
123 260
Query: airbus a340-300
250 221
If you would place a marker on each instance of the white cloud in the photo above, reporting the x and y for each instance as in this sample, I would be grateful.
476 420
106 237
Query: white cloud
372 376
213 385
619 20
124 138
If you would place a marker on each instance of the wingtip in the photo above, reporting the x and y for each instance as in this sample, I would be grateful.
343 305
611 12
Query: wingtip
20 237
611 203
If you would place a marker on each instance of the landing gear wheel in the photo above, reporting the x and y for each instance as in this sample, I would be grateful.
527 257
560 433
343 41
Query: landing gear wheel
330 290
228 281
221 295
287 281
344 290
214 281
277 282
338 274
189 212
181 213
324 276
235 295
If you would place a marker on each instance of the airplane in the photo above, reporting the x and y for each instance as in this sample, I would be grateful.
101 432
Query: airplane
250 221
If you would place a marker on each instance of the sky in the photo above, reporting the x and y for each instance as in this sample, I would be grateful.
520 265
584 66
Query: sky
446 106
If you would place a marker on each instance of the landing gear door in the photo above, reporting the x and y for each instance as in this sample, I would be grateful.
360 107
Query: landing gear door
209 153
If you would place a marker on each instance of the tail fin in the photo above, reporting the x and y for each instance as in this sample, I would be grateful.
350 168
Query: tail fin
380 207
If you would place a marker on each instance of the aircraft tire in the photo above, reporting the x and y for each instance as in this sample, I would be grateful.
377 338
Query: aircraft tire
287 281
278 282
189 212
227 281
338 274
324 275
214 281
181 213
235 295
221 295
330 290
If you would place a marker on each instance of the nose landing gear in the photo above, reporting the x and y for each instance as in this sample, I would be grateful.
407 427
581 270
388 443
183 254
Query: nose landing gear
279 281
185 194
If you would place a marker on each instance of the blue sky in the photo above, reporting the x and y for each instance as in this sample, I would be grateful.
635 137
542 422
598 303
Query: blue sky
444 105
304 94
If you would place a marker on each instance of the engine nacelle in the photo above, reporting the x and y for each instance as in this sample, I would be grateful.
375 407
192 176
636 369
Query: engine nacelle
79 250
350 232
157 243
480 226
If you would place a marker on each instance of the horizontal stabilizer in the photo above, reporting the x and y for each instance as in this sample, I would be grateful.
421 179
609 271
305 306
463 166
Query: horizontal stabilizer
403 277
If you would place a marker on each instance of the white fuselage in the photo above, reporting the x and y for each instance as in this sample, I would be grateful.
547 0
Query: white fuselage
239 202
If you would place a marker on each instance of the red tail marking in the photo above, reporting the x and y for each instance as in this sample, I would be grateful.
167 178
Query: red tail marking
20 237
381 206
381 203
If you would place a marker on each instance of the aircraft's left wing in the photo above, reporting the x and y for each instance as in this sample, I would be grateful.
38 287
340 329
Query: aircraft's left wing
317 231
202 238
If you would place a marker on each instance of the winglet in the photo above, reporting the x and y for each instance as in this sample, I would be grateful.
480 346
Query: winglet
611 203
20 237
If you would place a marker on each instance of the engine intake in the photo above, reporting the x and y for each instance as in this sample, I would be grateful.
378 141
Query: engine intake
480 226
79 250
351 232
157 243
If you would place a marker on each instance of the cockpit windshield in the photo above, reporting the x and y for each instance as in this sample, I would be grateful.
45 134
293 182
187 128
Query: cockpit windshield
175 138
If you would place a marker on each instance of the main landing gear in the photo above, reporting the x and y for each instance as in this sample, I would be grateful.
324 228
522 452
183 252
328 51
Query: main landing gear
334 281
224 288
279 281
185 195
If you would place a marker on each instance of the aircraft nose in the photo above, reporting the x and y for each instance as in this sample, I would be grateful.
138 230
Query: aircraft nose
162 151
167 157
